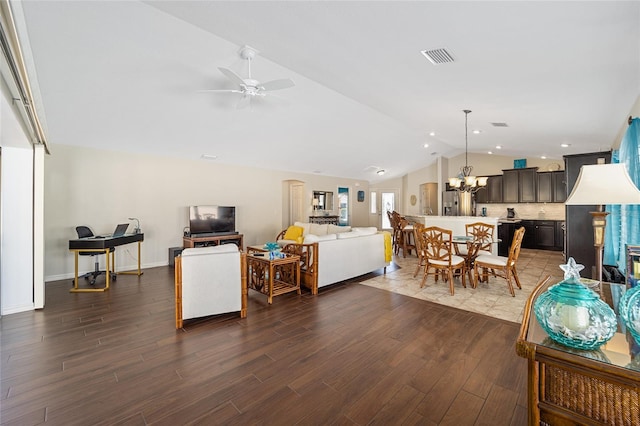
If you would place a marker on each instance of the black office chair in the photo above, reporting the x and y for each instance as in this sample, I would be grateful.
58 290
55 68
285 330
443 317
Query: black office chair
85 232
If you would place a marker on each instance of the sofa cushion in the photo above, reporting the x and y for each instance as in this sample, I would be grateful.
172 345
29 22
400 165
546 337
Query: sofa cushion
336 229
312 238
318 229
345 235
369 230
294 233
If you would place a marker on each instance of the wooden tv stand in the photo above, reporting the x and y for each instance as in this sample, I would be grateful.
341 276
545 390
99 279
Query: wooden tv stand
212 240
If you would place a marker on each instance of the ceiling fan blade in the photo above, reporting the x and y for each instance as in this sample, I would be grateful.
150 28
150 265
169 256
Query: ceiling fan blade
222 90
284 83
232 76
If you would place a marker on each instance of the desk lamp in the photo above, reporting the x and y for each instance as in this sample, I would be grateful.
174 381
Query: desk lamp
601 184
137 230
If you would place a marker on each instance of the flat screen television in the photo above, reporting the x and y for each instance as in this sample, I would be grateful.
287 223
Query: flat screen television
212 220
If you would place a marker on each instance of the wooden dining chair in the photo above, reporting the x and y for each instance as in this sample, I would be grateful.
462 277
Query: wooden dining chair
503 267
482 234
437 246
393 218
422 255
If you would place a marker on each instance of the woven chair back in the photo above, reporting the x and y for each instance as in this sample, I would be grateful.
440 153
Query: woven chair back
436 243
481 232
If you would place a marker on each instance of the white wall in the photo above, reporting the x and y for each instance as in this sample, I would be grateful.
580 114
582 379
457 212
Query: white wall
413 182
102 188
16 276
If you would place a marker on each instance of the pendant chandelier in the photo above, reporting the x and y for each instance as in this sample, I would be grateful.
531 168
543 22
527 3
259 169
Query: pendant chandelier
465 182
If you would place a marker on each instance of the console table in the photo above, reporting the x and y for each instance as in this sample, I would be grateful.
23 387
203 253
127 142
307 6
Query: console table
570 386
212 240
331 220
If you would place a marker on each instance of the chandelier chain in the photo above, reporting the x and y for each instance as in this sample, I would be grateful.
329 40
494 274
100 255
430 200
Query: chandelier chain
466 170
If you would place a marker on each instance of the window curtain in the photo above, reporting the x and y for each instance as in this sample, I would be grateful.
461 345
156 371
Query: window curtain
623 222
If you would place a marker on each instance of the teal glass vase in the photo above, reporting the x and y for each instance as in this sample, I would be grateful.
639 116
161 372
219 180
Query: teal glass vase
629 309
575 316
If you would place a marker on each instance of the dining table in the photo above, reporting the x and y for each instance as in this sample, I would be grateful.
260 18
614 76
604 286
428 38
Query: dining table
473 248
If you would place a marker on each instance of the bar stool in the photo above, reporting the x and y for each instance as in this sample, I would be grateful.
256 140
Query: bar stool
405 237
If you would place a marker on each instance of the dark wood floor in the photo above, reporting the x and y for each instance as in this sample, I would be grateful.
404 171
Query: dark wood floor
351 355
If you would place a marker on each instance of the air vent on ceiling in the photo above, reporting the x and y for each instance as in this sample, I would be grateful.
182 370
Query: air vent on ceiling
499 124
437 56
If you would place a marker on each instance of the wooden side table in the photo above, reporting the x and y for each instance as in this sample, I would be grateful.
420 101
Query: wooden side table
273 277
573 387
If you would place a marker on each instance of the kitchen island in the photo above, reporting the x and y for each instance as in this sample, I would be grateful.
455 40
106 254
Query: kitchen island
456 224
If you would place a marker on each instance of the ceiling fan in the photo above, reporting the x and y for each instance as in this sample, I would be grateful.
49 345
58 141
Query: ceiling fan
248 87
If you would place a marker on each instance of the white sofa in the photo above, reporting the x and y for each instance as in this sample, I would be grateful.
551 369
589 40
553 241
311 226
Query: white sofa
331 257
210 281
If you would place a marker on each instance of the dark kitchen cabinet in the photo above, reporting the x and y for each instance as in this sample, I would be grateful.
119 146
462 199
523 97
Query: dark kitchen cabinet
529 239
519 185
545 234
482 195
559 187
509 186
551 187
492 193
545 187
494 189
559 235
505 235
527 185
579 230
538 234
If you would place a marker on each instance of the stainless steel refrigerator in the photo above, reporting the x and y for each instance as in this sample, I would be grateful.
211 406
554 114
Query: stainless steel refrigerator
450 203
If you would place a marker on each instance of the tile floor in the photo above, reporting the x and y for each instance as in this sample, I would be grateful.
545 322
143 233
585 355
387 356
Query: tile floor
492 299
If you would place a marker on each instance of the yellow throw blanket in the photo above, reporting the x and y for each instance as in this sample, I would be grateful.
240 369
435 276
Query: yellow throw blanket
388 249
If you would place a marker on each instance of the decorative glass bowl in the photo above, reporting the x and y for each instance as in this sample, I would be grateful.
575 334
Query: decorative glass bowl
575 316
629 309
272 247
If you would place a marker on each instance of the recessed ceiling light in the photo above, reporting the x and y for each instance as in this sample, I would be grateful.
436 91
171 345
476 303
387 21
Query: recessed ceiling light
498 146
432 133
544 157
490 152
426 145
476 132
565 145
380 172
208 157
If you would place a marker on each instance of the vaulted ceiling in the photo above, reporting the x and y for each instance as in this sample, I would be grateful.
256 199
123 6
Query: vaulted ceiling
131 75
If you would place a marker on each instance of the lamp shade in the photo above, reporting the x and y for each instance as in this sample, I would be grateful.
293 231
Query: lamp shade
604 184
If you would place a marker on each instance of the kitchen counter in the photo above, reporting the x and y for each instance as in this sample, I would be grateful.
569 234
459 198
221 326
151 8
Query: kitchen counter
501 220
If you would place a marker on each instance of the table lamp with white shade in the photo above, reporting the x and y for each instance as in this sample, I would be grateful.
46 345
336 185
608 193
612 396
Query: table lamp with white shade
602 184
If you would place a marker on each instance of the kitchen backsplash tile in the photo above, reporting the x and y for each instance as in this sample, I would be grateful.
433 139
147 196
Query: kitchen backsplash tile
550 211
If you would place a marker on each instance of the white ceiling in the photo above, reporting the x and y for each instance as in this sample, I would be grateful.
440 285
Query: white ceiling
128 75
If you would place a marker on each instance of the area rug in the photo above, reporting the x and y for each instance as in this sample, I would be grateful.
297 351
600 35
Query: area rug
492 298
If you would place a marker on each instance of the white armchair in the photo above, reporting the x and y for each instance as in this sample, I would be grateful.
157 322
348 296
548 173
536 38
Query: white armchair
210 281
